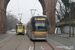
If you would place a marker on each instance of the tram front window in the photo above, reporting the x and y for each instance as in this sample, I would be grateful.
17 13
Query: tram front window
20 27
40 26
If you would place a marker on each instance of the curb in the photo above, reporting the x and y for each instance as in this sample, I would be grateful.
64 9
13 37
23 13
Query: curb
61 36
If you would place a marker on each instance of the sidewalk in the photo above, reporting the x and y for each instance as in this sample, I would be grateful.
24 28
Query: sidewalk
65 36
5 32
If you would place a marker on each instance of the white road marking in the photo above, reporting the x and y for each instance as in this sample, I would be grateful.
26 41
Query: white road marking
31 48
42 48
5 39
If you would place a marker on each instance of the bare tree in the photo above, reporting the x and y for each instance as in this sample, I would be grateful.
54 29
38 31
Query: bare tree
63 11
11 21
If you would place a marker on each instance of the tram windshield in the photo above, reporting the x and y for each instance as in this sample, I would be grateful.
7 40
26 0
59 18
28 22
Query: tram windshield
20 27
40 26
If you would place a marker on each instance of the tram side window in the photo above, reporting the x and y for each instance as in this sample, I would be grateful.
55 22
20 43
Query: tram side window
33 27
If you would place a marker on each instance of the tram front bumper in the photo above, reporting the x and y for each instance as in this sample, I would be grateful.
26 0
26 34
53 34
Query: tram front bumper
39 37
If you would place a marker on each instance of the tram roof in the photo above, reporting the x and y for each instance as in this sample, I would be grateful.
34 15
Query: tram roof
19 23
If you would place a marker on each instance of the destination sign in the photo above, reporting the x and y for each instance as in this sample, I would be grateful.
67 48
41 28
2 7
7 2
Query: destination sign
40 18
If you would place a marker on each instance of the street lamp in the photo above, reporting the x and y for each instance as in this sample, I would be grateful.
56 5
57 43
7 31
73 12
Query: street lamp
34 12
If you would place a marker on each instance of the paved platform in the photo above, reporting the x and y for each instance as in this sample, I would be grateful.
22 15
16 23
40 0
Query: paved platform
64 35
66 43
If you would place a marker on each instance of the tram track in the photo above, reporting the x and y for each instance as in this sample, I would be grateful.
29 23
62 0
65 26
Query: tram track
14 41
20 43
23 42
34 45
50 45
7 40
42 45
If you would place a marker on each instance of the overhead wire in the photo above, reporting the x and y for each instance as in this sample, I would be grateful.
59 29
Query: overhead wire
18 6
20 14
34 3
33 9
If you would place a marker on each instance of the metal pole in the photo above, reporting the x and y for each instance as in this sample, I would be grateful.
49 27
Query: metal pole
70 20
72 23
73 31
20 16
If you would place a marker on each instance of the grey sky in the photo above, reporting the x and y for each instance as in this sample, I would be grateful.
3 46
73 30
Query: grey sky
73 0
24 6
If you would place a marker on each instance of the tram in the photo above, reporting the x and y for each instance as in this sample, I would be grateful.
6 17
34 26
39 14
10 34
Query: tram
37 28
20 28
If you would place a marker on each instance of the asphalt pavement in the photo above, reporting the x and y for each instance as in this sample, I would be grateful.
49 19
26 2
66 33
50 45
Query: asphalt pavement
11 41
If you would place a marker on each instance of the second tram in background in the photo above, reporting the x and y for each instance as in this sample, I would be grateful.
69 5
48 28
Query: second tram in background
37 28
20 28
